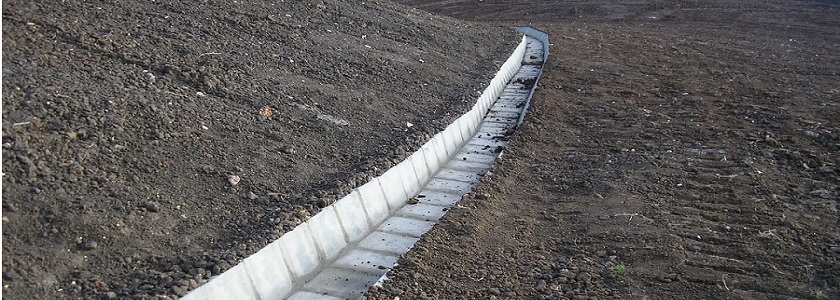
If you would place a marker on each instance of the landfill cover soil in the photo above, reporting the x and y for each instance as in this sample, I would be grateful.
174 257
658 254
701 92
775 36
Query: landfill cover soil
150 145
673 150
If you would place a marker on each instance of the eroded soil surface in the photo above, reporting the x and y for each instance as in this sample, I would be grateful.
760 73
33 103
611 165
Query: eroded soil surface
150 145
674 150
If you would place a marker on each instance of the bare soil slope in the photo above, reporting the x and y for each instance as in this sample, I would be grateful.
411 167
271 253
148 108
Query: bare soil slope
674 150
150 145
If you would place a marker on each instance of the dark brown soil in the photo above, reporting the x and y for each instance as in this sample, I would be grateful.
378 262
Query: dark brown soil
674 150
150 145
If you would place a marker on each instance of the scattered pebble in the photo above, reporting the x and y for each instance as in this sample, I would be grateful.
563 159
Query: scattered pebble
541 285
152 206
584 277
825 194
288 150
89 245
208 169
302 214
234 180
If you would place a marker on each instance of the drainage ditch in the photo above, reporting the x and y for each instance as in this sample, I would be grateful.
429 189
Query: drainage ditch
349 246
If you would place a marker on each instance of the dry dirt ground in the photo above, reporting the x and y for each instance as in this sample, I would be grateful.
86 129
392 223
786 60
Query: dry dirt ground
150 145
674 150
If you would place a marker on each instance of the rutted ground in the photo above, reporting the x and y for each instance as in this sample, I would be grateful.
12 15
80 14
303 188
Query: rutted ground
684 150
148 146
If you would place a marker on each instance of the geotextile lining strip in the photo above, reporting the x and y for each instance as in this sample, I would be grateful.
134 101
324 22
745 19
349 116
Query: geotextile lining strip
343 242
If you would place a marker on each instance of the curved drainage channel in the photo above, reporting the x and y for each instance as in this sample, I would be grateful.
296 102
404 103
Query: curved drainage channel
349 246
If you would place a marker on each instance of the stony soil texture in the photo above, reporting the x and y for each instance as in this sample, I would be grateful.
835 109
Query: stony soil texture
149 145
674 150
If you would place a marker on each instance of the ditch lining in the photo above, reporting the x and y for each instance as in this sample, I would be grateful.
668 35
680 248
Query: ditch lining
350 245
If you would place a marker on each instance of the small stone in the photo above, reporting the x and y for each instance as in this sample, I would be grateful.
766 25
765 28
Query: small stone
252 196
562 280
584 277
494 291
234 180
10 275
825 194
179 290
89 245
289 150
112 295
696 247
152 206
208 169
302 214
482 196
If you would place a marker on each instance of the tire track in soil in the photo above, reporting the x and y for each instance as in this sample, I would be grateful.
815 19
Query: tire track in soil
699 150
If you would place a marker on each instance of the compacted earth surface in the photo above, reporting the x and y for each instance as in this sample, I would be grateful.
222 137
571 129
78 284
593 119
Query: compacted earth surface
148 146
674 150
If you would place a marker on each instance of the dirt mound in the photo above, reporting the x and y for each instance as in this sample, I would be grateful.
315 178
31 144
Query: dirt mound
148 146
674 150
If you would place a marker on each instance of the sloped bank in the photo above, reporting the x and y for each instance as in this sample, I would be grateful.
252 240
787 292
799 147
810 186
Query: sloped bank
127 125
342 251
